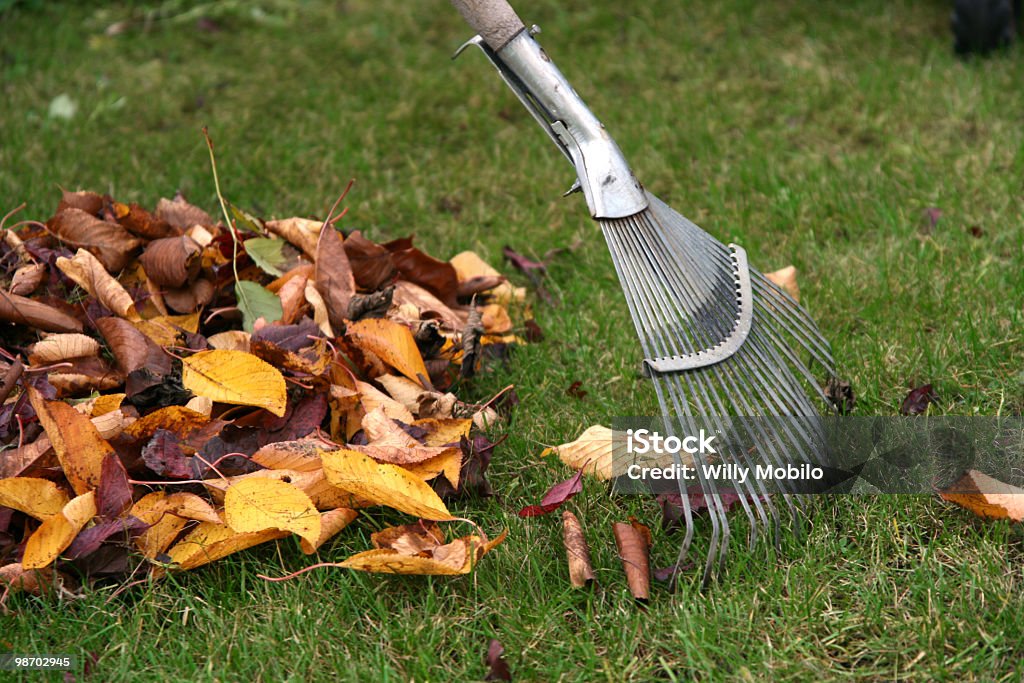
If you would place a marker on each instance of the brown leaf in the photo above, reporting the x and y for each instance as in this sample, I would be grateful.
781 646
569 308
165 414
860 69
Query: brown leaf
333 276
633 541
140 222
32 581
191 297
109 242
114 493
457 557
293 299
471 335
79 446
92 276
987 497
89 202
171 261
35 314
577 552
426 306
437 277
840 394
27 278
593 450
180 214
371 263
131 348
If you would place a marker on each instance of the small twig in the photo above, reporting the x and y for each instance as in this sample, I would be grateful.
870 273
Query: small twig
310 568
11 379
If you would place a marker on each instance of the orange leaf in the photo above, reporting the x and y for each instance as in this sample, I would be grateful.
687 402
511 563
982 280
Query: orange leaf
392 343
235 377
987 497
75 439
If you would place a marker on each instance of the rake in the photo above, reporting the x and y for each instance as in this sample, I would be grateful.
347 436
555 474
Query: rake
720 340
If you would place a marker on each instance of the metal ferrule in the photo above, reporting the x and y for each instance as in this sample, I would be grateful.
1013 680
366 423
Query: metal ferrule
608 184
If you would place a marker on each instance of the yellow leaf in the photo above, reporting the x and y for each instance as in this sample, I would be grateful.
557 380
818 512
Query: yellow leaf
209 542
371 399
443 431
235 377
57 532
163 330
403 390
593 448
469 265
331 522
252 505
39 498
392 342
300 455
457 557
107 403
75 439
383 484
168 513
448 462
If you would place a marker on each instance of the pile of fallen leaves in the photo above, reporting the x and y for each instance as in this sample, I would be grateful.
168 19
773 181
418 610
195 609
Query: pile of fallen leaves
175 389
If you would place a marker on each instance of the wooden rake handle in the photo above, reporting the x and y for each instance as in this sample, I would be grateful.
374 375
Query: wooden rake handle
495 20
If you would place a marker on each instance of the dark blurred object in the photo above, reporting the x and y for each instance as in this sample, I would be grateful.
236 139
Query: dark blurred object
981 26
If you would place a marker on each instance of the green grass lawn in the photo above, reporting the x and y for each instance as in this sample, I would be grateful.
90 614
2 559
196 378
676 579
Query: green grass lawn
814 133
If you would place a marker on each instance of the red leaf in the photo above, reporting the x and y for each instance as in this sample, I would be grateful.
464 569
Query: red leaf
497 667
916 402
114 493
164 456
556 496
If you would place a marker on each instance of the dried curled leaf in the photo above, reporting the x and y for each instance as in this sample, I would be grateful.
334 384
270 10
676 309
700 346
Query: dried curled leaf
577 552
235 377
91 275
634 540
450 559
172 261
23 311
258 504
57 532
388 485
111 243
59 347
